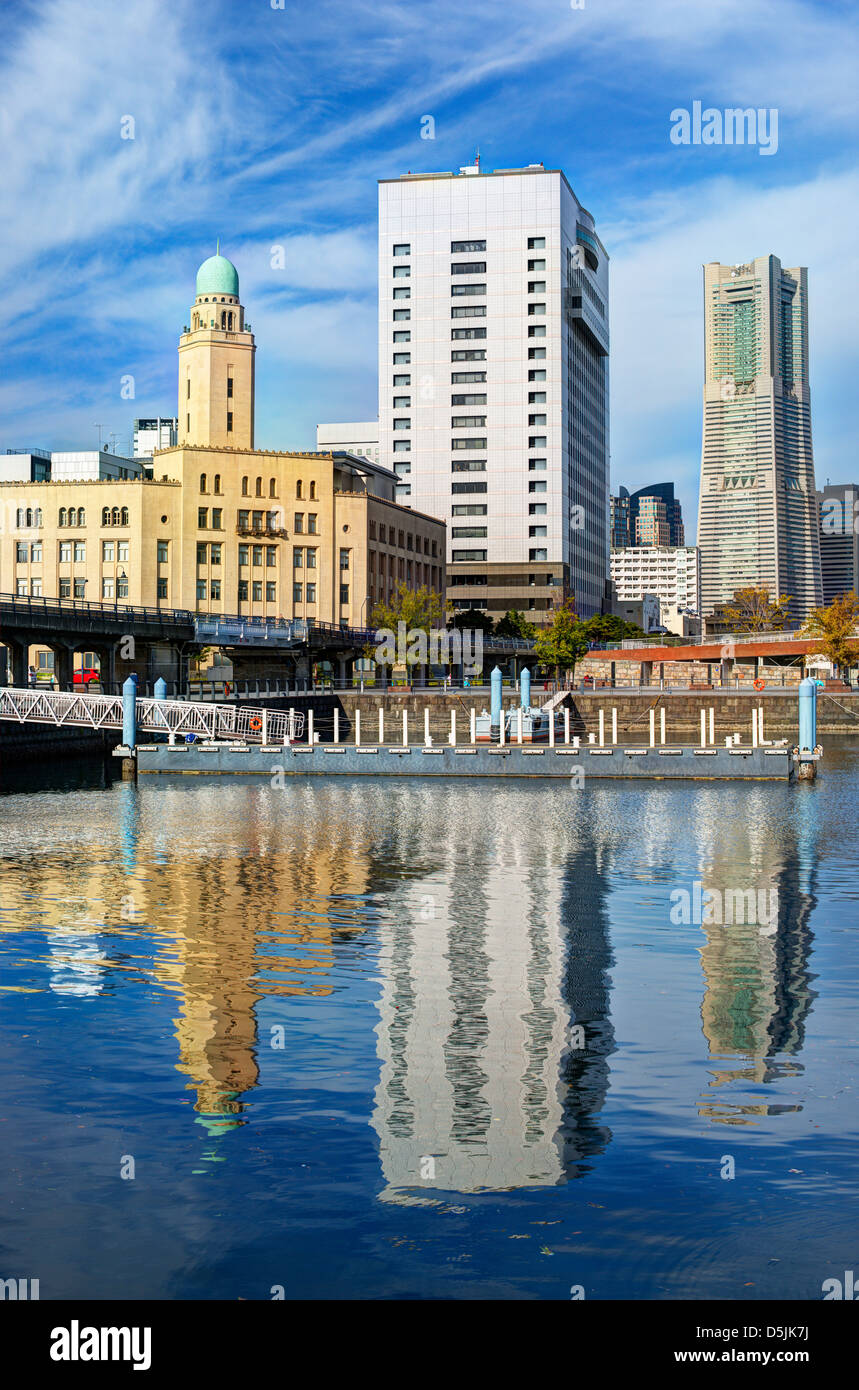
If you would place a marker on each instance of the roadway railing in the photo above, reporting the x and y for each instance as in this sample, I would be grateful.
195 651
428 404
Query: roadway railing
32 604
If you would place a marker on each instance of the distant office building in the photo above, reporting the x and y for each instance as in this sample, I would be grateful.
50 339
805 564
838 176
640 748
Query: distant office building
757 520
25 466
92 465
650 516
493 380
671 572
645 611
158 432
360 438
839 540
619 533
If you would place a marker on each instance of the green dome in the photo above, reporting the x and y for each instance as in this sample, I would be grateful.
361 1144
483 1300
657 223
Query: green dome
217 275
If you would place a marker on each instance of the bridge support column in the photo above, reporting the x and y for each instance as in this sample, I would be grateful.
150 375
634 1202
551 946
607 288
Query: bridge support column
107 666
64 667
646 673
18 664
726 674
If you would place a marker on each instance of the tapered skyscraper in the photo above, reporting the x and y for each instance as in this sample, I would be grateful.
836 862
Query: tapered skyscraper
757 519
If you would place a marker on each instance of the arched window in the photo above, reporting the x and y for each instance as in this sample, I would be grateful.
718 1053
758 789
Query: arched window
29 516
63 516
125 516
73 516
38 516
259 487
114 516
202 482
244 487
105 516
19 517
272 487
313 491
81 517
231 318
298 492
217 482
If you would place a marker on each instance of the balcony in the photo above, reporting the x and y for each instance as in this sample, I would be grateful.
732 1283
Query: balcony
263 533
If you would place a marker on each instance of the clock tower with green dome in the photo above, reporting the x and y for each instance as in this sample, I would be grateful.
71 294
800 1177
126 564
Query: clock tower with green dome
216 363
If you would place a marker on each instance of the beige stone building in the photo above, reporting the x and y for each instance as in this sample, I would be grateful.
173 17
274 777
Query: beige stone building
222 527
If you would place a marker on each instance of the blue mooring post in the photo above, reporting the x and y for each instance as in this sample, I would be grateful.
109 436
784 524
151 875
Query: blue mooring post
525 687
807 714
161 688
807 726
495 696
129 712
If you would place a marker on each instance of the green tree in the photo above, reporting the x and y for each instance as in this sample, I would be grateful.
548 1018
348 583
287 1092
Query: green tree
608 627
474 619
421 610
752 610
835 627
515 624
561 644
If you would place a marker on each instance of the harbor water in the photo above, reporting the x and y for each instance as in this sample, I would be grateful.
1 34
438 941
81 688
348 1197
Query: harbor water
404 1038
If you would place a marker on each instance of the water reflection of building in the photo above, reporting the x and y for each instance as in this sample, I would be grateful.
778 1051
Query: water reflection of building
255 913
487 968
757 977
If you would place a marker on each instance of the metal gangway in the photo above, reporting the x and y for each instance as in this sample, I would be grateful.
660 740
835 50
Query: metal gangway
212 722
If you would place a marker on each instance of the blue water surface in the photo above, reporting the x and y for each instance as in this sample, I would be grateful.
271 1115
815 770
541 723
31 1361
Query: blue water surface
429 1039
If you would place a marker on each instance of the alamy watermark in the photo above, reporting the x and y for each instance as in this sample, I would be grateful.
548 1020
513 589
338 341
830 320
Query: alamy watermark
733 126
733 907
438 647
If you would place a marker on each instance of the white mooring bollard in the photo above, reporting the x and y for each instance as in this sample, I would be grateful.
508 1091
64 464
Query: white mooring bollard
703 728
336 726
662 724
405 728
653 728
614 726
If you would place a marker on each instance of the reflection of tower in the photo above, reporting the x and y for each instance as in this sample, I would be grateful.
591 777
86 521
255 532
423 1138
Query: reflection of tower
478 976
757 979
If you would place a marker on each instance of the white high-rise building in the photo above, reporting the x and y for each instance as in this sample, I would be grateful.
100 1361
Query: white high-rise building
757 517
672 572
493 380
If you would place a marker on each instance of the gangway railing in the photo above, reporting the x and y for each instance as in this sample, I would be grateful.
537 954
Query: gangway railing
178 717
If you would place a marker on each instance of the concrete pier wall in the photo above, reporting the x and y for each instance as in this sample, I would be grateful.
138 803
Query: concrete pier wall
567 763
732 712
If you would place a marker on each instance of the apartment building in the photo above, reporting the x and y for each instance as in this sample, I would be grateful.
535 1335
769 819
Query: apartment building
672 573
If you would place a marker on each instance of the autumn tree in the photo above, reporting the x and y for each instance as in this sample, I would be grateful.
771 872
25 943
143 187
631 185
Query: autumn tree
752 610
834 627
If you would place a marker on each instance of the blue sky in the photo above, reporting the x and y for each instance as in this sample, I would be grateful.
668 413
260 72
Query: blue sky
267 126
